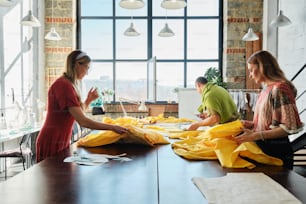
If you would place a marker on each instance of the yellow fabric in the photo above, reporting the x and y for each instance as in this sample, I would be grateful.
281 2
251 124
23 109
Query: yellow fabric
147 120
184 134
135 134
217 143
102 137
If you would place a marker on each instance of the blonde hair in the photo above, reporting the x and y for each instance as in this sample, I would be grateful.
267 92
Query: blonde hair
76 56
269 67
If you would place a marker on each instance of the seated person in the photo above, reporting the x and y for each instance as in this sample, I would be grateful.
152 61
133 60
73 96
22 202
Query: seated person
217 105
276 115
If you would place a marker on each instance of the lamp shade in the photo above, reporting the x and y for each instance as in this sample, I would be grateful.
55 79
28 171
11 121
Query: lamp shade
173 4
250 35
166 32
53 35
131 31
280 20
142 106
6 3
131 4
30 20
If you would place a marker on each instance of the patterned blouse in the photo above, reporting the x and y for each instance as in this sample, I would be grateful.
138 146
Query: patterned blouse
276 107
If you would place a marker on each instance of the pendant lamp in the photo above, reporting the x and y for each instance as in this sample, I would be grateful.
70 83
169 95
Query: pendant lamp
131 4
131 31
30 20
52 34
280 20
166 31
250 35
173 4
6 3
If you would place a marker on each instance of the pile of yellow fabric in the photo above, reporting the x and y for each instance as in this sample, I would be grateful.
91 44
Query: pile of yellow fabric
137 134
218 143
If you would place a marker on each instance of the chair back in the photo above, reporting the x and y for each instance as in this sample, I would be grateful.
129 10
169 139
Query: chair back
24 144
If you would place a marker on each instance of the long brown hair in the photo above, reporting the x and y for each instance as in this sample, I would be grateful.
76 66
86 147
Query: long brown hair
270 68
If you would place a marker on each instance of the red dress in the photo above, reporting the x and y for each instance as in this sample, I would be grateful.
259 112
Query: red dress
55 134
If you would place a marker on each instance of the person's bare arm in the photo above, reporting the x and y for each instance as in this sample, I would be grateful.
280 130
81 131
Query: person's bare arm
249 135
91 96
86 122
208 121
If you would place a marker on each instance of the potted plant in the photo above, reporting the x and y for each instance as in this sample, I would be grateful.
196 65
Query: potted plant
214 75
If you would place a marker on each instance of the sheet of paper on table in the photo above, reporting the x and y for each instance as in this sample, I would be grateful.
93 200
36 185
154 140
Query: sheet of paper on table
95 159
241 188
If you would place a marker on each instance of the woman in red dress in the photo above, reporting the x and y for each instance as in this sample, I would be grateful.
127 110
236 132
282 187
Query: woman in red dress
276 115
65 107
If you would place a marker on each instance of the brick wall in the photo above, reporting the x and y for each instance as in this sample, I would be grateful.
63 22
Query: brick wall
238 15
64 21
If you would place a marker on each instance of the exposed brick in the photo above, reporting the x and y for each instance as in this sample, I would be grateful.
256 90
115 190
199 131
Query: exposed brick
58 49
63 20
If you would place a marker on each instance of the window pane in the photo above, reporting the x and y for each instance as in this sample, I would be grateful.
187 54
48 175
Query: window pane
203 8
196 69
169 76
100 75
97 39
131 81
168 47
131 12
96 8
131 47
202 39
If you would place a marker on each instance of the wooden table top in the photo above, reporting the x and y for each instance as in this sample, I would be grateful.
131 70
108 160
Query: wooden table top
155 175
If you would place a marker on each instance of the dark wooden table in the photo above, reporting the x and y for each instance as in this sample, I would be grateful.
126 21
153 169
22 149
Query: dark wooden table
155 175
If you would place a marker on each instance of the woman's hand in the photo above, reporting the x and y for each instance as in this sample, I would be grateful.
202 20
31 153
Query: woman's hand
119 129
246 136
247 124
92 95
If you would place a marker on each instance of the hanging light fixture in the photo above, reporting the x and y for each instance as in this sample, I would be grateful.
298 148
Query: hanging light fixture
166 31
173 4
30 20
280 20
131 31
131 4
6 3
250 35
52 34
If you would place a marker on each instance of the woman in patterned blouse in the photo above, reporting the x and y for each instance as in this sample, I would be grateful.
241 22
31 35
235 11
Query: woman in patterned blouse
276 115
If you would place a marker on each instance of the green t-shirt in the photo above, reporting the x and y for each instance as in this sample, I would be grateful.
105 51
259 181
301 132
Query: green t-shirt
215 99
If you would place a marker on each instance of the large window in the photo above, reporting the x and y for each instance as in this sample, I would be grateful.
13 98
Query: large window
120 62
18 69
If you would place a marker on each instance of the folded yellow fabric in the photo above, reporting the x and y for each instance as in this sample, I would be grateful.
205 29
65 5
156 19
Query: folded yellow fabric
184 134
135 135
218 143
102 137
